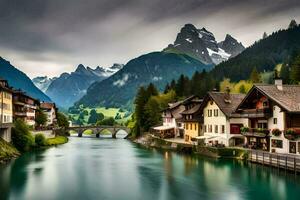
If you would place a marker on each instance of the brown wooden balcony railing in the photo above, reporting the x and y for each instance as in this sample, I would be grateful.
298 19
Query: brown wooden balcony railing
255 132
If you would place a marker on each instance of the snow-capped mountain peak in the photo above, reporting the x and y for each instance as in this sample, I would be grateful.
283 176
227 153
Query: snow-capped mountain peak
201 44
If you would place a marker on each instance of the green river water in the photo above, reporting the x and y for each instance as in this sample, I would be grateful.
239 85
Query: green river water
97 168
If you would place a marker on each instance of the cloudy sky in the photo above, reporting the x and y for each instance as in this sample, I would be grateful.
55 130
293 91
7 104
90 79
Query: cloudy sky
48 37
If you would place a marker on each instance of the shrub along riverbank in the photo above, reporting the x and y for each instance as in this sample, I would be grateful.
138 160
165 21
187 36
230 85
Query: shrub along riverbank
23 141
148 141
7 151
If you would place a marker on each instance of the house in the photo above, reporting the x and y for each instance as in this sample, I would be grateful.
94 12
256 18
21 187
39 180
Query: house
24 107
220 126
172 125
192 119
6 110
50 110
273 112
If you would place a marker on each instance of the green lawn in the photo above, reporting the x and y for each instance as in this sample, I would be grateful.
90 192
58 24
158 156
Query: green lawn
57 140
107 112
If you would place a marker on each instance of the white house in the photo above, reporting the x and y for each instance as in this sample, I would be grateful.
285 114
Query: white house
172 119
220 127
50 110
274 117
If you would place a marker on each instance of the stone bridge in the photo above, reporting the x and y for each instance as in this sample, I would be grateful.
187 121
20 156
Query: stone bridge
98 129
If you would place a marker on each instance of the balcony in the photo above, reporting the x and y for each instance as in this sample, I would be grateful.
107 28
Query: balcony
255 113
292 133
255 132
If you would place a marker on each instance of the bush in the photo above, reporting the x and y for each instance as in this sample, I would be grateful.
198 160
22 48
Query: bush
57 140
276 132
244 129
40 140
62 120
108 122
21 136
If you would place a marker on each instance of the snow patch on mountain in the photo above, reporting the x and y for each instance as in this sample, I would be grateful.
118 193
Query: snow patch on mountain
121 82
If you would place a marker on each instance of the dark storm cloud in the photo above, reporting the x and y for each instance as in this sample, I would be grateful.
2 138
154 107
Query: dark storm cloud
65 32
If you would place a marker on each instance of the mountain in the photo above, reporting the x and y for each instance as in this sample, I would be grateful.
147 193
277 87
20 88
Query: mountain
231 46
68 88
264 55
157 67
20 80
42 82
202 45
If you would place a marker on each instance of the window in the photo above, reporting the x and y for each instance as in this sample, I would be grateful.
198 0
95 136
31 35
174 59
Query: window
216 128
195 126
277 143
205 129
187 126
216 111
275 121
223 129
209 113
210 128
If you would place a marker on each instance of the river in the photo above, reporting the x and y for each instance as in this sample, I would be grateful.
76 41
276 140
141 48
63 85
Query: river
95 168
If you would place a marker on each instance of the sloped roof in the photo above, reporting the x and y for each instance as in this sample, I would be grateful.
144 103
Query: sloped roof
226 102
46 105
288 98
192 110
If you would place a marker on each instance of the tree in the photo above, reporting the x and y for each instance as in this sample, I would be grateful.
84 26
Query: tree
107 122
140 102
151 90
293 24
62 120
265 35
40 117
21 136
285 73
295 70
255 76
94 117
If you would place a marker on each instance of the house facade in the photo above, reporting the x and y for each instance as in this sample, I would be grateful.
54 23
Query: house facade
220 127
6 111
24 107
50 110
273 112
172 120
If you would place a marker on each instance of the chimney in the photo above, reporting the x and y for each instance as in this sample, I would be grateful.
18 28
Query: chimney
278 83
277 80
227 95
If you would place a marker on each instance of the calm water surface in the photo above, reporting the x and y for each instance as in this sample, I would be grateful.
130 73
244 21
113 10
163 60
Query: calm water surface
93 168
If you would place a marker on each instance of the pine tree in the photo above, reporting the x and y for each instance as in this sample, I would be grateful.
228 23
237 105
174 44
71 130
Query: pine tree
140 102
295 70
180 85
255 76
151 90
285 73
293 24
265 35
167 88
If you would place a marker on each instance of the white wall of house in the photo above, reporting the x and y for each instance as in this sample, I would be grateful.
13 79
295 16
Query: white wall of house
214 119
277 121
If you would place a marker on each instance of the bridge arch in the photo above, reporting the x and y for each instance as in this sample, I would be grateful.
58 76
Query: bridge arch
97 130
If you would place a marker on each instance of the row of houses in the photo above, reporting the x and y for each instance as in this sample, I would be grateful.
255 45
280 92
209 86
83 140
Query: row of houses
16 104
266 118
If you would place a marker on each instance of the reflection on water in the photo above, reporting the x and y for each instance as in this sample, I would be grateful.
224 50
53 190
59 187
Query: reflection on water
93 168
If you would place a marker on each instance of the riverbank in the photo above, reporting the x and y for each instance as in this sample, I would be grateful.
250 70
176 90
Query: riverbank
7 151
149 141
57 140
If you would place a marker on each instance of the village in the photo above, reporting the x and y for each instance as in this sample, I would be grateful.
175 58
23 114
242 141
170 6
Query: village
267 119
16 104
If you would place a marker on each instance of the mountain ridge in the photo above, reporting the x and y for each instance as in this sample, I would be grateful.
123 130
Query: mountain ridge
19 80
